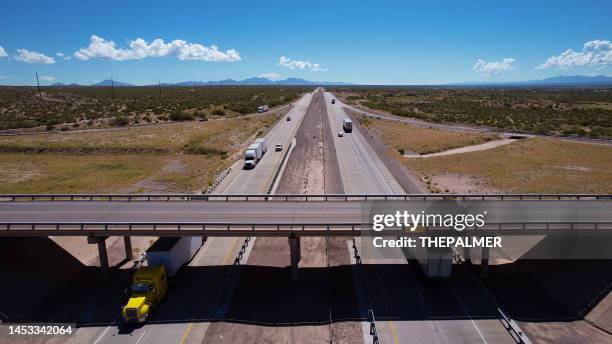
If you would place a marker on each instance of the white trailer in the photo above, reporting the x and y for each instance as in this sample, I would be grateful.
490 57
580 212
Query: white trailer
263 108
252 155
347 125
173 252
264 146
436 263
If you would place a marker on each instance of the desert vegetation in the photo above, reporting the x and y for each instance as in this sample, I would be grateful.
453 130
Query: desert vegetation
65 108
565 112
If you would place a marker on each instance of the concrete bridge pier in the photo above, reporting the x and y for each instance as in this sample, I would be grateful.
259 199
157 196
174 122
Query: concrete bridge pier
127 243
466 255
295 252
484 262
101 241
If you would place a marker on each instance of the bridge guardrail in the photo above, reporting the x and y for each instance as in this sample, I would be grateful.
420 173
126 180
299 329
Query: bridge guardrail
292 197
513 328
102 228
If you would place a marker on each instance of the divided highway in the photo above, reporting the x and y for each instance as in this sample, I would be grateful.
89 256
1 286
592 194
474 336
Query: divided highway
195 298
393 289
407 307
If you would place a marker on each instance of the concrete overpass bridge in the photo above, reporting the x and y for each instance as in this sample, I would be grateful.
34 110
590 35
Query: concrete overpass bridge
98 216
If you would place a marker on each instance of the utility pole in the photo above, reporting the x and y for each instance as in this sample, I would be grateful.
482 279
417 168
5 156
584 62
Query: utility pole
113 86
159 86
38 84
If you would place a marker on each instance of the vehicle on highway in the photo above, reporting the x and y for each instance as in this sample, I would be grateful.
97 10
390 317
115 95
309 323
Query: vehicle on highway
333 101
340 134
279 147
252 155
435 262
264 146
263 108
288 118
150 283
347 125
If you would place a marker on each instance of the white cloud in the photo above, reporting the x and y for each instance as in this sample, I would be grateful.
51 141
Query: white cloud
2 52
27 56
270 76
494 67
597 53
46 78
293 64
64 56
140 49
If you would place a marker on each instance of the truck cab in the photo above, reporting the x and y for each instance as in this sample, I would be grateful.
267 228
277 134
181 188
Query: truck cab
149 286
250 158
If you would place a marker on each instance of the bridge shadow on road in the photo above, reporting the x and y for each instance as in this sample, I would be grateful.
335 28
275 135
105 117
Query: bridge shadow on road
535 290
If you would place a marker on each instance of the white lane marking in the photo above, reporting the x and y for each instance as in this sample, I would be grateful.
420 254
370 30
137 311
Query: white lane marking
468 314
102 335
142 335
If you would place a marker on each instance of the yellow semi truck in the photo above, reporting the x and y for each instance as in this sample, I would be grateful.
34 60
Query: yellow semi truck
150 283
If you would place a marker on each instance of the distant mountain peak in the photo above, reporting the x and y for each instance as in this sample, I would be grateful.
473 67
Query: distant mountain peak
109 82
560 80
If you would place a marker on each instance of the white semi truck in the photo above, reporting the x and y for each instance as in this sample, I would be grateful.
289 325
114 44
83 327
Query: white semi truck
264 146
254 153
263 108
347 125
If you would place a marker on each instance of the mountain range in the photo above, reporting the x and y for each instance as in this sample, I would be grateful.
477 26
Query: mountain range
226 82
560 81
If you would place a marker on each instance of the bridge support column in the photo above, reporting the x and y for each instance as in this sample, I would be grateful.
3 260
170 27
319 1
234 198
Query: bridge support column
484 262
466 255
127 243
295 255
101 241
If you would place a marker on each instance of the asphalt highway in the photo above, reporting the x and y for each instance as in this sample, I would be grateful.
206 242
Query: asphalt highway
396 289
194 294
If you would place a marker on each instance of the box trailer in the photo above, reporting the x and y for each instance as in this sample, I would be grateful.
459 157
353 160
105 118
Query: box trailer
264 146
150 283
173 252
252 155
347 125
436 263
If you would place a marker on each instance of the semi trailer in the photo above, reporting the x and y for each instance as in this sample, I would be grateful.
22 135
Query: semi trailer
347 125
254 153
150 283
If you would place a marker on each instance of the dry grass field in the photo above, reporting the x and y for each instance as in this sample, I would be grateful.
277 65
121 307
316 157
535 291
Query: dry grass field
406 138
175 158
536 165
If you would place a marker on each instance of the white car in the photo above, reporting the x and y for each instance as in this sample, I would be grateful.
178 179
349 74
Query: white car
279 147
340 134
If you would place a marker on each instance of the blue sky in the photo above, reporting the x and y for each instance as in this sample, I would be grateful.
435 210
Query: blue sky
382 42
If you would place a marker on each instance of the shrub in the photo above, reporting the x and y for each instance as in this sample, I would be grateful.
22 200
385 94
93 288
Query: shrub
120 121
181 116
218 112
